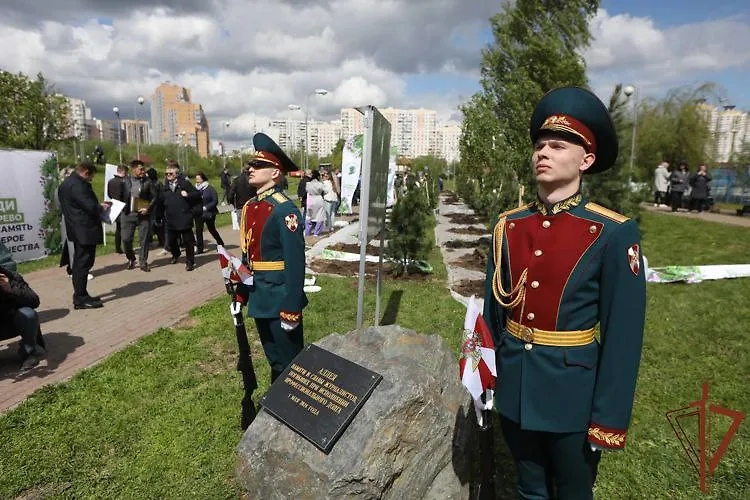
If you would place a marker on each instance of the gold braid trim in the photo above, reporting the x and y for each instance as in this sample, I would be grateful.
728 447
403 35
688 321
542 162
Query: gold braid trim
244 239
497 279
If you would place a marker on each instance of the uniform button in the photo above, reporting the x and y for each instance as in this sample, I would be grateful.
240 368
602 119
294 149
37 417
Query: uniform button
530 316
256 207
511 225
546 224
528 347
537 253
534 284
592 229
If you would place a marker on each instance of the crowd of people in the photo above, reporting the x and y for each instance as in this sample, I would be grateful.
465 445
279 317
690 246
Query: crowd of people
681 188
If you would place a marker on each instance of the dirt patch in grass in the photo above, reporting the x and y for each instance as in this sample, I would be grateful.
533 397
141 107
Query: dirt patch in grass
468 230
467 288
186 323
481 242
475 260
354 248
450 198
340 268
467 219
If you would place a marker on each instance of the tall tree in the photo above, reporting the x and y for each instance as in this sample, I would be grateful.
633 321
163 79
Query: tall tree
611 188
537 47
33 116
674 128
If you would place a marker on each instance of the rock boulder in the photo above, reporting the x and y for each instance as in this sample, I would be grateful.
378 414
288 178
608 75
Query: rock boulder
414 437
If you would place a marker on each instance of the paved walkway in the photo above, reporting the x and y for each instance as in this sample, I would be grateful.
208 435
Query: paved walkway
135 304
722 218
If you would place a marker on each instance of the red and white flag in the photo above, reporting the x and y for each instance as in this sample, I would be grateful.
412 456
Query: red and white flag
232 267
477 364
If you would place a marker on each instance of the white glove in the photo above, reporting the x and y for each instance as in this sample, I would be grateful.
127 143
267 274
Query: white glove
288 327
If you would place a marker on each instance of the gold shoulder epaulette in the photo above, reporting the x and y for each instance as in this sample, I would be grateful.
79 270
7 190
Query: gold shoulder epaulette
514 210
605 212
279 197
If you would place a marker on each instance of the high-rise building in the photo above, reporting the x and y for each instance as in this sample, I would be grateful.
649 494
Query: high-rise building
136 131
176 119
323 137
730 128
413 131
448 137
78 114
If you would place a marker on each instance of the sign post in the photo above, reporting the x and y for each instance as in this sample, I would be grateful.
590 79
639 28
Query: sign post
374 195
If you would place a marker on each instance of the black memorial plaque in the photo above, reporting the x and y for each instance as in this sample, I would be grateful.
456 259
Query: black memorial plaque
319 394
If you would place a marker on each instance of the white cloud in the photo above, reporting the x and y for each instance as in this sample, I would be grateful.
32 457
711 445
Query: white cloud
635 50
243 58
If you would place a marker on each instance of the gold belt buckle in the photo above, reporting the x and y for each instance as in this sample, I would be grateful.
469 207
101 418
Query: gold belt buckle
527 334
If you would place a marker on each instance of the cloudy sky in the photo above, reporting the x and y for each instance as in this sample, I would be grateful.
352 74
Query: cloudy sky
247 58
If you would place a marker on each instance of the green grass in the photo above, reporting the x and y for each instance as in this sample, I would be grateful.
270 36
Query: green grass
160 418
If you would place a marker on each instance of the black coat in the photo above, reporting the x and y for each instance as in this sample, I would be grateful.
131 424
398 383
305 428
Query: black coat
116 188
178 209
19 295
701 188
241 191
81 210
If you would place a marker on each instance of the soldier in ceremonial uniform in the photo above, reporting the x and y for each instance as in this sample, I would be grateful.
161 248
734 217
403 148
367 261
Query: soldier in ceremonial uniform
273 247
557 268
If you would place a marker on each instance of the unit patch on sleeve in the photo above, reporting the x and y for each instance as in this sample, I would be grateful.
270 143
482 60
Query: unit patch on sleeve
292 222
634 259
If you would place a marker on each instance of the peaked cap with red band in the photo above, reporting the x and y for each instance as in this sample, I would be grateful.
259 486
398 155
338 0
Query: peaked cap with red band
267 151
578 114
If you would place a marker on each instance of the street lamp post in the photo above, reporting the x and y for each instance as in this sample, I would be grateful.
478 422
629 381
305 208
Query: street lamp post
116 110
224 146
628 91
137 131
307 112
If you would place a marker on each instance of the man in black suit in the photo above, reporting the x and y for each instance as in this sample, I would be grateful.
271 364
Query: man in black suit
82 212
140 199
241 191
116 191
178 199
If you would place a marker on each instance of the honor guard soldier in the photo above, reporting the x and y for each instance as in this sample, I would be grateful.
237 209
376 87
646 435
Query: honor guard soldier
273 248
557 268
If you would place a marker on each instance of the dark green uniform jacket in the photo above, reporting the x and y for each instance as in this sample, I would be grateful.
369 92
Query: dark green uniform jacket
577 265
273 244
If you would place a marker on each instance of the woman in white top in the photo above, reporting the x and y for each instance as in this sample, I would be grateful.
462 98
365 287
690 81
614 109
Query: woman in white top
316 206
331 197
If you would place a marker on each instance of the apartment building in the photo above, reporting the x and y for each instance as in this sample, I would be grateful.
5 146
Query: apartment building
176 119
730 128
78 114
136 131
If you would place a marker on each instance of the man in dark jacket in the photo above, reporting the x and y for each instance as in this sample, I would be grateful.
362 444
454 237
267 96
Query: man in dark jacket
302 192
17 314
241 190
116 191
141 197
82 212
226 183
179 198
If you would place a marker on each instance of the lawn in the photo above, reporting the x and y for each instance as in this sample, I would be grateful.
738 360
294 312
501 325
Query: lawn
160 418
